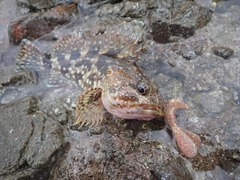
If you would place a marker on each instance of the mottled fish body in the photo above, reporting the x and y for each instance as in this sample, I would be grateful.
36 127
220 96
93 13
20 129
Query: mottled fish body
104 67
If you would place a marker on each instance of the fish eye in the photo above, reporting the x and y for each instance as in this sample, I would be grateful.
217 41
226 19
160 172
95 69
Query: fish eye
143 88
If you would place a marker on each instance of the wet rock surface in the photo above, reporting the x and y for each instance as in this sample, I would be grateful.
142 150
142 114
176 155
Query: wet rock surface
180 20
35 5
10 83
38 141
30 141
35 25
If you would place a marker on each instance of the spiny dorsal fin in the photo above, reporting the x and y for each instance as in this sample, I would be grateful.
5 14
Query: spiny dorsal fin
70 43
109 44
118 45
89 109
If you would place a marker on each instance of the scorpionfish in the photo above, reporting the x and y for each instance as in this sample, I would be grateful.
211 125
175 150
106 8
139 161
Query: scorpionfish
104 67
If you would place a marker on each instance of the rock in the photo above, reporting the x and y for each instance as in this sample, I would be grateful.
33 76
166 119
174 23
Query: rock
134 9
33 26
180 20
213 102
190 50
18 78
172 171
42 4
222 51
11 84
35 4
116 153
29 141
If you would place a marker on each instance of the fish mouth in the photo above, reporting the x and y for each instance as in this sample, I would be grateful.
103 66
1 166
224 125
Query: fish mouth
151 109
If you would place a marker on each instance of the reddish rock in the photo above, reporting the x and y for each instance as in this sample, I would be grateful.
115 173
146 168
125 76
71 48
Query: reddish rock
35 25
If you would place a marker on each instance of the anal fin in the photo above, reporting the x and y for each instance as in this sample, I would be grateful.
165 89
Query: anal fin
90 109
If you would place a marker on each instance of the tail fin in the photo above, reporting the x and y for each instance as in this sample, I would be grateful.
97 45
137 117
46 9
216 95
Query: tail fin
29 56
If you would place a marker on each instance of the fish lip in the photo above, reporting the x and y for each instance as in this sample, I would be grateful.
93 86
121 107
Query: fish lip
151 109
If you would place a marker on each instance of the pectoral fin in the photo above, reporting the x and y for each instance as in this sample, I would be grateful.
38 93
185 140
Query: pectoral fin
90 109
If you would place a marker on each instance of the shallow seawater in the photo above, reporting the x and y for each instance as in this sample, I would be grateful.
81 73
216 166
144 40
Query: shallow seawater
209 84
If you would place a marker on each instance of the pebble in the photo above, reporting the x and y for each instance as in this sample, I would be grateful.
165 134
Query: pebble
222 51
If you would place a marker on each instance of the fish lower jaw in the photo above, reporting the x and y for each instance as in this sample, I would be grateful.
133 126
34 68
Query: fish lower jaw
127 113
131 113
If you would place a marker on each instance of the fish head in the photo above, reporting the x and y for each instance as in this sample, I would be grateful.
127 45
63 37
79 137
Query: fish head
128 94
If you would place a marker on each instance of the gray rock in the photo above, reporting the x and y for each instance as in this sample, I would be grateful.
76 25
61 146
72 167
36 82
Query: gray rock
29 140
180 19
11 84
42 4
18 78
